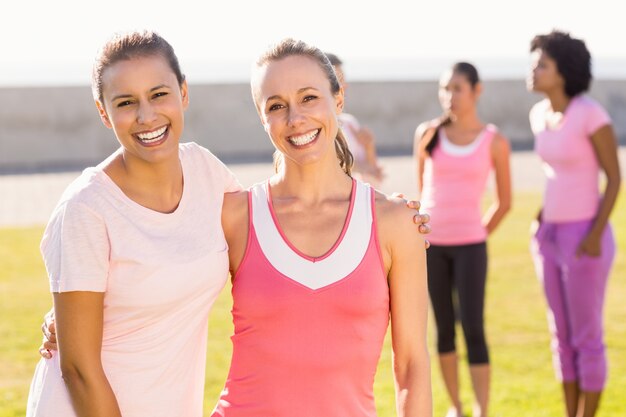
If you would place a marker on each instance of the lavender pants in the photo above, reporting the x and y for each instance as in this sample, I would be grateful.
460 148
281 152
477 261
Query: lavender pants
574 289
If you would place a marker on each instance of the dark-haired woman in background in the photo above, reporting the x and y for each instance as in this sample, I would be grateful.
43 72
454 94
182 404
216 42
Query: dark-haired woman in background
573 244
455 154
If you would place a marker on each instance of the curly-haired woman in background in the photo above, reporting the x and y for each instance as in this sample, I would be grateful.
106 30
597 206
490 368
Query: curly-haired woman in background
573 245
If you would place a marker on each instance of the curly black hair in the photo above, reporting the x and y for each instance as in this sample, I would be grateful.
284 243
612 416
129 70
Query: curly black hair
573 60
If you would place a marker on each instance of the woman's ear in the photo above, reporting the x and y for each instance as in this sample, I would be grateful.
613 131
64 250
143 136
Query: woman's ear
184 93
478 89
103 114
339 101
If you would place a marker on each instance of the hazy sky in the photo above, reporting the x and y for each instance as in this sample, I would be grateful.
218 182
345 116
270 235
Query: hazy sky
48 42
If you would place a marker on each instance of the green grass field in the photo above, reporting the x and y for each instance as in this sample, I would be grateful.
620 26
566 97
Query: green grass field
523 382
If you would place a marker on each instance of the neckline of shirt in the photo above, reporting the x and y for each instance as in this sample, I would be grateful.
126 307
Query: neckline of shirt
297 251
461 150
564 114
145 211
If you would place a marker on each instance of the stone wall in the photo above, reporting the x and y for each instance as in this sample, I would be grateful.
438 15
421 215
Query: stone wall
58 127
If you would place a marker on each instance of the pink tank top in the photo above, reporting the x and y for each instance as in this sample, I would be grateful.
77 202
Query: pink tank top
455 178
308 331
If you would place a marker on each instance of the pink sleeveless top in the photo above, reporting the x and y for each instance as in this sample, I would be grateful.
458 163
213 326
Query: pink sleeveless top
308 331
455 178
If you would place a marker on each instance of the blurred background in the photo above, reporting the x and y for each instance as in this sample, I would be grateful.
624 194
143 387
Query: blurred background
393 54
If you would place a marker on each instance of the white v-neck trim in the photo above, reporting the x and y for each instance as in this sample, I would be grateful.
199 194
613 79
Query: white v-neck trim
461 150
314 274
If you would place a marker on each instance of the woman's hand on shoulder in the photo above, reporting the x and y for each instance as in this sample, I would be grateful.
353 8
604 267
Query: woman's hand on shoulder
401 213
420 219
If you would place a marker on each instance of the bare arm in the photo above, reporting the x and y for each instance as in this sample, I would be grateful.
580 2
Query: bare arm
235 225
78 316
605 146
366 139
405 260
500 155
419 154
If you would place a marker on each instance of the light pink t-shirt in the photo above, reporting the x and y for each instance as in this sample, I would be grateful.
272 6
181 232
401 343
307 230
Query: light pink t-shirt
160 274
455 178
569 160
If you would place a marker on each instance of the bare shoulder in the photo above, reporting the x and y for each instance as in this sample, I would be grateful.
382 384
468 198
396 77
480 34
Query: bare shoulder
234 208
235 225
395 220
387 205
500 143
423 127
236 200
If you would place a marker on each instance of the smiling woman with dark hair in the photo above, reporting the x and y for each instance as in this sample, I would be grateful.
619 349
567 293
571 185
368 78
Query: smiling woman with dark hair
135 251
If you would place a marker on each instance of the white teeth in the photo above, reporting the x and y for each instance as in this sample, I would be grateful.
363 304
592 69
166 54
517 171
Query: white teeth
304 139
151 137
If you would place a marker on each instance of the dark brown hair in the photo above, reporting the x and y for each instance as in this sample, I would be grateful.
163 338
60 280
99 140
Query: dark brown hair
129 45
431 139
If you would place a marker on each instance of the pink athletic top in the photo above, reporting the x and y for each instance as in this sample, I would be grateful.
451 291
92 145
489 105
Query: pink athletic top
569 160
308 331
455 179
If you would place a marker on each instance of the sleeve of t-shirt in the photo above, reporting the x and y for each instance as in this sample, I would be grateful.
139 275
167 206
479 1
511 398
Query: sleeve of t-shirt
227 180
597 117
76 250
231 183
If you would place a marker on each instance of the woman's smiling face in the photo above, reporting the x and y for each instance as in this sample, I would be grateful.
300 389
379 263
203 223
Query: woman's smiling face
144 105
298 109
